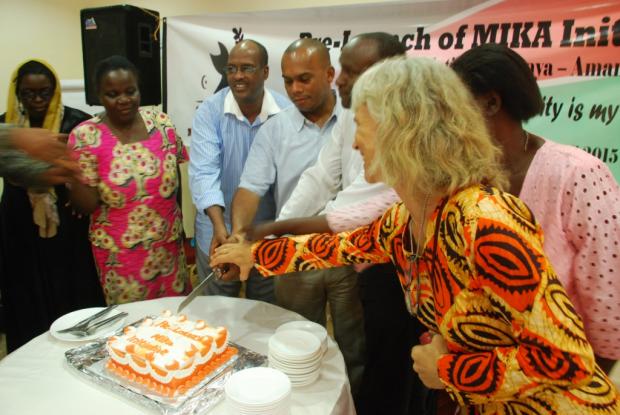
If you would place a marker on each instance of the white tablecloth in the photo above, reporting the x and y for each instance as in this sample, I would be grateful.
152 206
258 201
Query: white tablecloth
36 379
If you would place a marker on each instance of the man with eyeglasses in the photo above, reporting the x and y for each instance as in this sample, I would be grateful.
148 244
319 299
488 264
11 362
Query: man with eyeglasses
285 146
223 130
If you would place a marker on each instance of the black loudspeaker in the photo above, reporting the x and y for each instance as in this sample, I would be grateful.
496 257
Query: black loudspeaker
127 31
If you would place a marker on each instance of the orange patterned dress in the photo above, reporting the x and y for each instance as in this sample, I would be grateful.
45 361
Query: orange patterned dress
516 344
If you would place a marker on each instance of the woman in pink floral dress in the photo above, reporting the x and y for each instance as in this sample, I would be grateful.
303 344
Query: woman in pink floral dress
129 160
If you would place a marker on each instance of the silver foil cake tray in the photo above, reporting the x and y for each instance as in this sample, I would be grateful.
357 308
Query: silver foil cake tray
90 360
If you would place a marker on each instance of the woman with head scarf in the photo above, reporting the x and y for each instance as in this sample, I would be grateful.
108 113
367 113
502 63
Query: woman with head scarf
468 255
47 267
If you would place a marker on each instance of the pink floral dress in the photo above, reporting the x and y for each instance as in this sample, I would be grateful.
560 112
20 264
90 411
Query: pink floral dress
136 230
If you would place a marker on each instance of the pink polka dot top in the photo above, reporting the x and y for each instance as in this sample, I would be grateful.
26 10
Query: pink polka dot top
576 199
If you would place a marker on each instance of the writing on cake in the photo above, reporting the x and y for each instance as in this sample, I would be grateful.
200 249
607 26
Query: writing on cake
169 354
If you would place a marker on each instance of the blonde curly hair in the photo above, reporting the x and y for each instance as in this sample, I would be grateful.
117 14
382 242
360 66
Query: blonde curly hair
431 134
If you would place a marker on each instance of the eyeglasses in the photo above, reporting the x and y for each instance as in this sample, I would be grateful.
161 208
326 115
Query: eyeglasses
246 69
30 94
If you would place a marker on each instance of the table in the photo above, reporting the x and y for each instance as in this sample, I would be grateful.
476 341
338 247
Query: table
36 379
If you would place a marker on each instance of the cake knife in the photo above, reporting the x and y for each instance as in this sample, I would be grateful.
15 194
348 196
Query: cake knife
196 291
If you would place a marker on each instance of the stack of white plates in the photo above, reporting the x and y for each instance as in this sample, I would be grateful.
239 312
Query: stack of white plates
258 390
296 353
309 326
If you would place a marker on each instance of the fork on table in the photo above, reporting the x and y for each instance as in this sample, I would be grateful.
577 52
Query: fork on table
83 324
93 328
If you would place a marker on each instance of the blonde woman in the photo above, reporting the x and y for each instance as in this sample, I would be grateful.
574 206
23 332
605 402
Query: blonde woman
469 256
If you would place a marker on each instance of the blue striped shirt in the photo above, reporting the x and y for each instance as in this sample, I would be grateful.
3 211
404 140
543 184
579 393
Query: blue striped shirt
284 147
221 140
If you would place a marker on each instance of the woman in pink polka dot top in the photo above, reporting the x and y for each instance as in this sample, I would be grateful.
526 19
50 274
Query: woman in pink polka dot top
573 195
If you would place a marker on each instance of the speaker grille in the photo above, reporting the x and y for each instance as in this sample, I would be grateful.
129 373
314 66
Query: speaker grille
127 31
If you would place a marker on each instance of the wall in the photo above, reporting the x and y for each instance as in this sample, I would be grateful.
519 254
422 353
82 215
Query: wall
50 30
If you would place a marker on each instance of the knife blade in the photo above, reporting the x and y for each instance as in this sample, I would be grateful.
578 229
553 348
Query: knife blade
198 289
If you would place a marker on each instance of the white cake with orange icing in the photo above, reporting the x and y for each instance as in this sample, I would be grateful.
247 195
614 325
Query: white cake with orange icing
168 354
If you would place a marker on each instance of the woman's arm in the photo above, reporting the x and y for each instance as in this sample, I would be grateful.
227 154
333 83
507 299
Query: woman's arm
85 199
83 193
371 243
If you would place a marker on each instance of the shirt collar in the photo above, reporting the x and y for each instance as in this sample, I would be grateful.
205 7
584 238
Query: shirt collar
269 107
300 121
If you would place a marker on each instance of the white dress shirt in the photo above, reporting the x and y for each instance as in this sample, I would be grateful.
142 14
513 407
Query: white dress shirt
335 180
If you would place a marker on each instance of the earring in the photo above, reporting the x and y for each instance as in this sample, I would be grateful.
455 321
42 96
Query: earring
492 106
526 140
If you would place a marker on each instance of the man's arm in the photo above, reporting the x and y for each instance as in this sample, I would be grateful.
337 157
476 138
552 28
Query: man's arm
220 232
205 171
244 207
296 226
243 210
205 165
259 173
357 191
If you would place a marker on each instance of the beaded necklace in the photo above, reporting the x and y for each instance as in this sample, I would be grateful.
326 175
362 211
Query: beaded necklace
413 259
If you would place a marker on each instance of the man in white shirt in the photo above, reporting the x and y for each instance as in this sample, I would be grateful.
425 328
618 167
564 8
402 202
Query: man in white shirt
337 180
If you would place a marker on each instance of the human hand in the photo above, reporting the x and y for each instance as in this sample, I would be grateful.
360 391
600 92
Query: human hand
74 212
238 254
39 144
43 145
425 361
219 238
230 272
63 171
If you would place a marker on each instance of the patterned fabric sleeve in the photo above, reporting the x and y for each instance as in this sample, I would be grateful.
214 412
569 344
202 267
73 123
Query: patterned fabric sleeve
541 342
82 141
370 243
165 125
